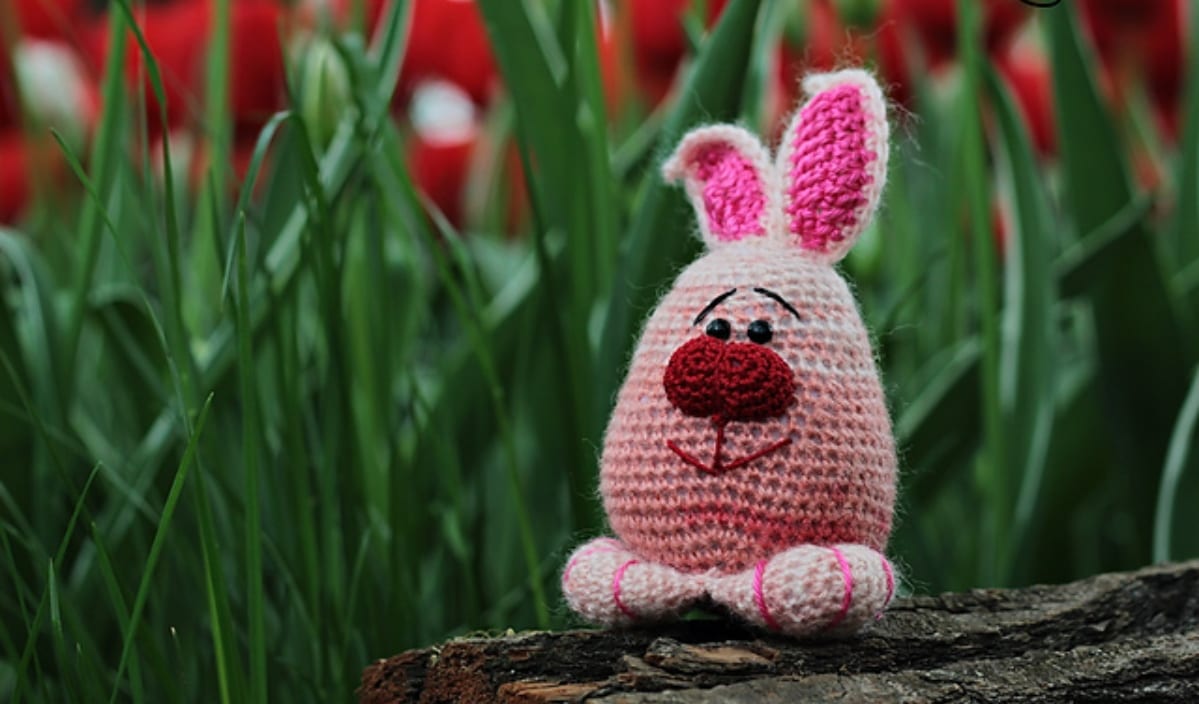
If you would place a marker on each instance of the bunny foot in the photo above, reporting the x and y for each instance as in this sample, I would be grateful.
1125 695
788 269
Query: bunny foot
810 589
607 584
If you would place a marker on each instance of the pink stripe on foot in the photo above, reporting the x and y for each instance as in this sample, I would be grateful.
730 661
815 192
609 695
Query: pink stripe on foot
616 589
847 599
760 599
890 581
890 587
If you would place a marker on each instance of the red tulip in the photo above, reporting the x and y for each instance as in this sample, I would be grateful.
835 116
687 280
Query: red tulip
658 34
1114 25
892 61
1141 40
448 42
659 41
1164 56
51 19
446 132
178 35
655 81
10 105
258 76
935 23
439 169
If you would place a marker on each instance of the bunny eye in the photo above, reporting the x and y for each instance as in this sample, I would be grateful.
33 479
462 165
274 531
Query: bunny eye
719 329
760 332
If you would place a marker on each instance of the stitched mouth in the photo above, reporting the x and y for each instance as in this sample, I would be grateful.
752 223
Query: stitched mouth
718 465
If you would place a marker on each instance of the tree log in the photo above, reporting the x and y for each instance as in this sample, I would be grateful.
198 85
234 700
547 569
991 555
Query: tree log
1128 637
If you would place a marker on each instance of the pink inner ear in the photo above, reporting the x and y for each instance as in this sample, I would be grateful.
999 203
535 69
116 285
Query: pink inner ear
733 196
828 175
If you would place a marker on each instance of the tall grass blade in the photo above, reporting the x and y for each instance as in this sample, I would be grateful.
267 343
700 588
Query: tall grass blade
251 431
38 331
217 82
228 673
1179 456
103 156
160 536
1027 373
180 353
120 609
34 628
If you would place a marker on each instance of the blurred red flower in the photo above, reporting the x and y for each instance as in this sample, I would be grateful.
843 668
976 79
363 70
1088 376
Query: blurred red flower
1141 40
448 42
52 19
935 23
178 35
887 35
657 25
445 134
439 169
10 106
659 41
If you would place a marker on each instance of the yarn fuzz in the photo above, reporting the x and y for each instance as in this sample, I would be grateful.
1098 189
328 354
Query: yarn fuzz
749 462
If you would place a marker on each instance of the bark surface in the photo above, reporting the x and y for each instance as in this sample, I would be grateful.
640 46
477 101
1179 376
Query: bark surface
1128 637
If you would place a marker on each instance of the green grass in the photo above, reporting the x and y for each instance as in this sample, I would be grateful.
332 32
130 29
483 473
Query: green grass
251 441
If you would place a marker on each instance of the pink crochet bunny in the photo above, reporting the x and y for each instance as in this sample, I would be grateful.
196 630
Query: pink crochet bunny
749 461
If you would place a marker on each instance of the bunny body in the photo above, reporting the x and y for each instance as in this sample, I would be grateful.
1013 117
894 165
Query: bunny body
749 460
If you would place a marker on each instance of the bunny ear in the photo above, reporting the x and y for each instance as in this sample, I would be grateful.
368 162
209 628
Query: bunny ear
833 162
725 170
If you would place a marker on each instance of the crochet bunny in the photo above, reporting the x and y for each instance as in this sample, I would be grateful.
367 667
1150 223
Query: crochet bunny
749 461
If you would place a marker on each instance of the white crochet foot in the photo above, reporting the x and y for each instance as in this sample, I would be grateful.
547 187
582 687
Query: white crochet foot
607 584
810 590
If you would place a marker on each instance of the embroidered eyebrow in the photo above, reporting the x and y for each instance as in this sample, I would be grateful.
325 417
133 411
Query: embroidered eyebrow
782 301
715 302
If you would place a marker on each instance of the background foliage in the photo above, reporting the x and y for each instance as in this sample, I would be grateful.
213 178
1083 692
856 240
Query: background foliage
251 439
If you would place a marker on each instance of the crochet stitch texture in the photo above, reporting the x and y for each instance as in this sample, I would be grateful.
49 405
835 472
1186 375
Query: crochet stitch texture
749 460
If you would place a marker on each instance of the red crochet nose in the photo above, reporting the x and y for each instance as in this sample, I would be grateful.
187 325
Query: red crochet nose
731 381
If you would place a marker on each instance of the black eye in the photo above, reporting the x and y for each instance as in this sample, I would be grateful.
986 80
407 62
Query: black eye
760 332
719 329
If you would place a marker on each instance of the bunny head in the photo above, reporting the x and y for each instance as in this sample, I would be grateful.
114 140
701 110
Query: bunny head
752 419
